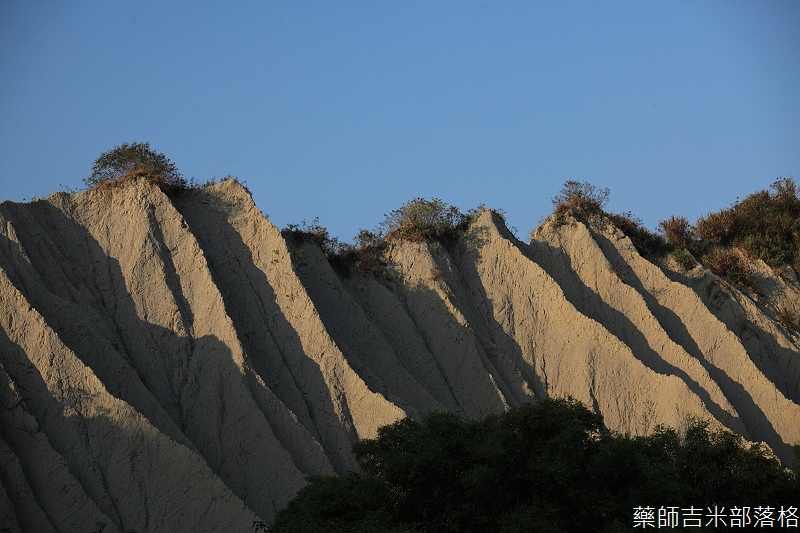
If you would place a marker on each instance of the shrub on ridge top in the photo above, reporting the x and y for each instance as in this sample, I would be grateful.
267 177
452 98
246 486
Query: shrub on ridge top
582 197
423 219
135 160
766 224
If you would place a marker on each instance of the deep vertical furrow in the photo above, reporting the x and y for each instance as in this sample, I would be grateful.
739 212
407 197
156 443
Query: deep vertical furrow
385 309
274 348
554 337
97 437
445 331
767 414
598 285
361 342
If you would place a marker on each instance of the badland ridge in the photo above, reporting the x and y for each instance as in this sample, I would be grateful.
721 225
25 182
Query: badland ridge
172 362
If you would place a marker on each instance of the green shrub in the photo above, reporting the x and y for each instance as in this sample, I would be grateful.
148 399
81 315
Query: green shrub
727 264
684 259
580 197
560 219
789 320
645 241
677 231
134 160
545 466
422 219
765 224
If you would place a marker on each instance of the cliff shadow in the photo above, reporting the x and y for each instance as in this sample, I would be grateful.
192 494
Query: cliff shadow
591 304
270 342
754 419
777 363
185 386
465 255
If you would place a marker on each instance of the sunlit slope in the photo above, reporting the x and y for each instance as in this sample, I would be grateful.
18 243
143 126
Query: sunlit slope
175 364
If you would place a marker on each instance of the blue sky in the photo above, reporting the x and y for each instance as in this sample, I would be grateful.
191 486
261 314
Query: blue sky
346 110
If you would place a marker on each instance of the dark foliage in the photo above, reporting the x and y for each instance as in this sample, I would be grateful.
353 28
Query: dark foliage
678 231
580 197
547 466
645 241
342 256
766 224
135 160
728 264
304 232
421 219
417 220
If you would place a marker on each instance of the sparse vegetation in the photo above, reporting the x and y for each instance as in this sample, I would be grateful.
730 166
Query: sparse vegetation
135 160
365 253
580 197
727 263
766 224
684 258
677 231
416 220
789 319
645 241
313 232
422 219
547 466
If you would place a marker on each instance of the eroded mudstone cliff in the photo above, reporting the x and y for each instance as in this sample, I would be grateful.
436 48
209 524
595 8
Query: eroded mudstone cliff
174 364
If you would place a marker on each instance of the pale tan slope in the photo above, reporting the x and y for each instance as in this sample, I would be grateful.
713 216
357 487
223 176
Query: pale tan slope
754 317
384 308
596 286
569 353
418 280
168 322
172 363
767 414
364 345
434 293
339 405
30 467
98 437
407 329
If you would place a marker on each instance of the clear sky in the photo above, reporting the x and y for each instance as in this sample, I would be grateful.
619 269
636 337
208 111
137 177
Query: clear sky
346 110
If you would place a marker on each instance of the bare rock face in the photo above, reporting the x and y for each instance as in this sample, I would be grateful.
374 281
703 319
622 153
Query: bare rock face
174 364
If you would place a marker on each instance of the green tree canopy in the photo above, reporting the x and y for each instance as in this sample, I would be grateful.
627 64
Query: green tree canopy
546 466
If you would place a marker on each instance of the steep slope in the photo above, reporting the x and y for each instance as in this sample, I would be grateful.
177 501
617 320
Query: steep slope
703 351
172 363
